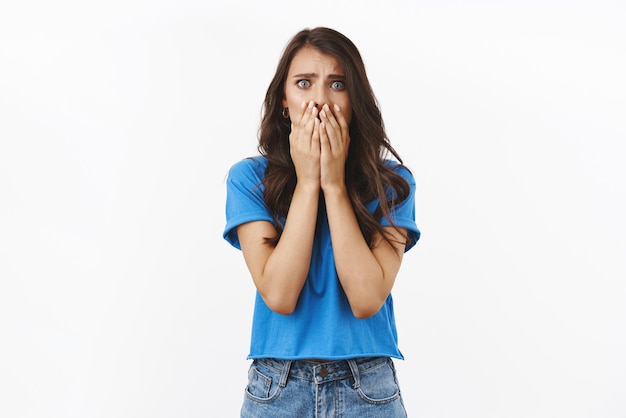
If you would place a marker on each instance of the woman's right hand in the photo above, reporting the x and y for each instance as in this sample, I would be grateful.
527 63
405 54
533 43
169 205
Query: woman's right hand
304 143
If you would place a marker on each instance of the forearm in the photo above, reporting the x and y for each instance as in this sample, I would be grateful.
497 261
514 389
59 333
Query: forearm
287 267
361 274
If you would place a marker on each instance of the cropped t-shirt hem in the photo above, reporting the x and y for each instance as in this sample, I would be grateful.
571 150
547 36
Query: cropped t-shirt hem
398 356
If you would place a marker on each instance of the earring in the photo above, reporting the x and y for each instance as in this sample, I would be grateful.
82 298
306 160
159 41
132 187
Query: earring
285 112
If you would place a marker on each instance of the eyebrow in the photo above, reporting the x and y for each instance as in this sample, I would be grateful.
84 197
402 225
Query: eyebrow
314 75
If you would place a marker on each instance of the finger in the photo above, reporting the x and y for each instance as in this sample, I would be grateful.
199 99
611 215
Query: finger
309 116
300 116
341 119
296 114
334 124
312 121
323 137
331 128
316 138
303 130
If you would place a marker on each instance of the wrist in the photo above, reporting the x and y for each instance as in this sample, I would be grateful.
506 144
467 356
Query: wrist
308 186
334 190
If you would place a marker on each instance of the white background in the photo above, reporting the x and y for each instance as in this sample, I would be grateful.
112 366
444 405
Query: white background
119 120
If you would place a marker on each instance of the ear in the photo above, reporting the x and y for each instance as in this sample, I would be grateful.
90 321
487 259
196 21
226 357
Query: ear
284 102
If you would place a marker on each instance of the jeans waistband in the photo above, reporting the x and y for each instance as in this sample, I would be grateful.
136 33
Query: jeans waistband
324 372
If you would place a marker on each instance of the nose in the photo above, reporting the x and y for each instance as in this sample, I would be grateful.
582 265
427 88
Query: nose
320 98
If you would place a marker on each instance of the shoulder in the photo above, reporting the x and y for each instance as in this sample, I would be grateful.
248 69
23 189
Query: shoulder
251 167
400 169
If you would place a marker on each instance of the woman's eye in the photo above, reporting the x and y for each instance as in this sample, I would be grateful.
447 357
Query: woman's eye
338 85
303 84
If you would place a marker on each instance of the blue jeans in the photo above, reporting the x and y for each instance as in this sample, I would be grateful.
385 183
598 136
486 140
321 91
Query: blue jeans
360 387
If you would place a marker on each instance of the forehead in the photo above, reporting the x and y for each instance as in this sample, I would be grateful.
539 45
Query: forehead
312 60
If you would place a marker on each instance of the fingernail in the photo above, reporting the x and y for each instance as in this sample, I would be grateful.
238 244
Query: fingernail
337 107
326 107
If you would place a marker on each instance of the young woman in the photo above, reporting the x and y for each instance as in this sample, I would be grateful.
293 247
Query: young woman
323 219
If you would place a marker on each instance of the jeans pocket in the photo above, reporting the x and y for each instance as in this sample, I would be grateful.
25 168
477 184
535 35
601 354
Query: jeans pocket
379 385
262 384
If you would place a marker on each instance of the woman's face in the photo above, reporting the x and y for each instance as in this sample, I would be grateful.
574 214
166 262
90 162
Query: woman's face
314 76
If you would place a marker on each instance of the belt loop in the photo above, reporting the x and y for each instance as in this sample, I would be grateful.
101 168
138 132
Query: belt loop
285 373
355 372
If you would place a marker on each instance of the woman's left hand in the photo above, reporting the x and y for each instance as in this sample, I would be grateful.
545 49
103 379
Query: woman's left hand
334 141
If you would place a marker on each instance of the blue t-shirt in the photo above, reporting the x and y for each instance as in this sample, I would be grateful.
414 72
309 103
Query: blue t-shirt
322 325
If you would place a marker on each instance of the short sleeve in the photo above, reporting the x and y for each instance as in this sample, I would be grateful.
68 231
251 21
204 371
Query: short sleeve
403 214
244 197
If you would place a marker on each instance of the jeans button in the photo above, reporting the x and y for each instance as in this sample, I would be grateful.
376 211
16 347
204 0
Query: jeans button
324 372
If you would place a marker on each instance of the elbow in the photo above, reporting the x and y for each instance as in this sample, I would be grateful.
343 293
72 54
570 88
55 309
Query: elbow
279 305
367 305
362 314
365 311
283 310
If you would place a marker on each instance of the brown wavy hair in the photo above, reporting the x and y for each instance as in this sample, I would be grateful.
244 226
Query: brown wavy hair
367 176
